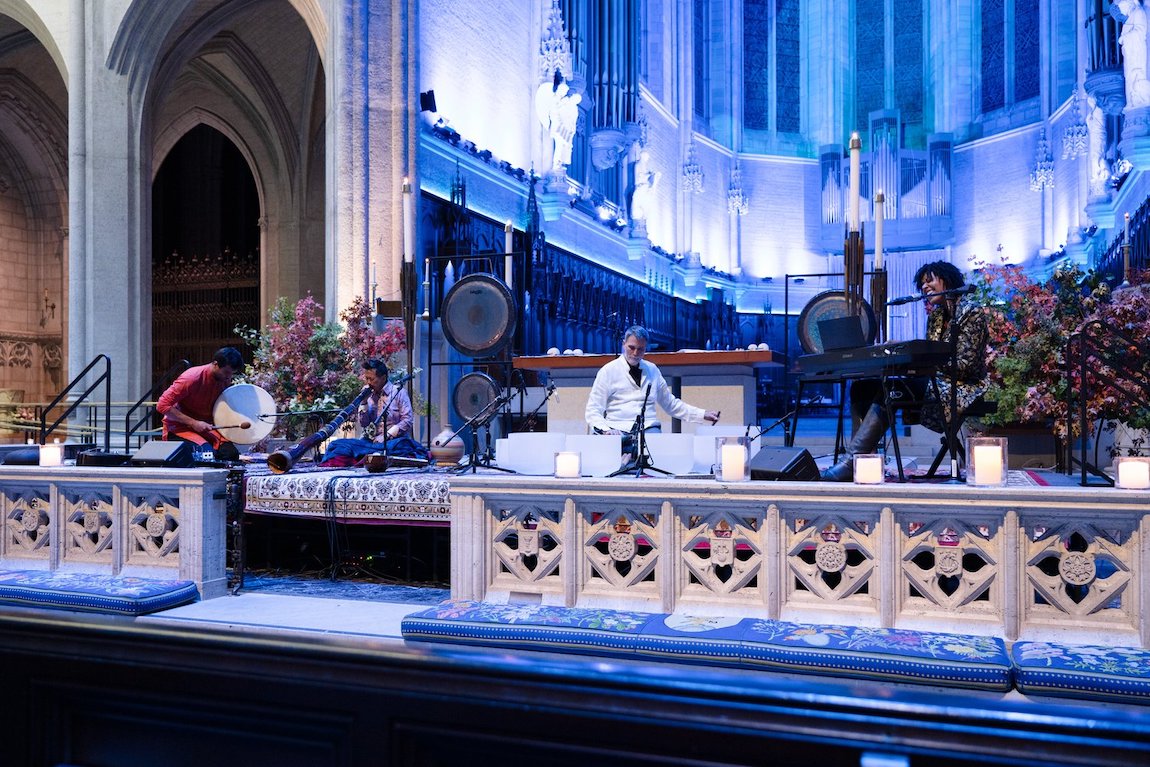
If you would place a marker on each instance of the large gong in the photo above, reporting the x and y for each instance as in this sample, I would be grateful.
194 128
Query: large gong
478 315
474 393
830 305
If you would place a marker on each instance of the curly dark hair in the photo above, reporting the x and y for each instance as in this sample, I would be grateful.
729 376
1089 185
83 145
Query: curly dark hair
944 270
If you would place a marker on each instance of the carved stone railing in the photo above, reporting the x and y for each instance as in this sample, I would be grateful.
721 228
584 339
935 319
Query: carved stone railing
1015 562
145 522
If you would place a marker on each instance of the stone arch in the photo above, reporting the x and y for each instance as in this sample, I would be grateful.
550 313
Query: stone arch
22 13
33 188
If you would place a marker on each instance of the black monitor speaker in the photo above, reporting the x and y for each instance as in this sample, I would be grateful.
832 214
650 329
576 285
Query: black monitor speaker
173 455
795 464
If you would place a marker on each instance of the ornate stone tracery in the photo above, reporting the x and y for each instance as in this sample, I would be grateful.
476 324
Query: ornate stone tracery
830 557
154 530
622 547
1080 570
722 553
950 563
27 523
528 543
90 529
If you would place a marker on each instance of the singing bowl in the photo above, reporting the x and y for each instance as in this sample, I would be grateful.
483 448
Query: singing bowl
473 394
828 305
245 402
478 315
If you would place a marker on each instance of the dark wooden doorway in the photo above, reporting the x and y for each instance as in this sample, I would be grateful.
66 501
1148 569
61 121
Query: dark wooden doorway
205 250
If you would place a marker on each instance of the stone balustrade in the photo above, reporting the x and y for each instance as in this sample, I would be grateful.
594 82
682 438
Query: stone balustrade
138 521
1063 563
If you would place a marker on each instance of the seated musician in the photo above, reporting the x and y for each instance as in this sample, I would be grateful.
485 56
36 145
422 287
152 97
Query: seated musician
621 386
384 421
868 411
187 404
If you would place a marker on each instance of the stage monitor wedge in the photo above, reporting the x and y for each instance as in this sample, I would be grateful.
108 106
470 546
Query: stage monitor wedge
172 455
794 464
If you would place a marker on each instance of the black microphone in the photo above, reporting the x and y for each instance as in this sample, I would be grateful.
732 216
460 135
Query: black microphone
403 380
959 291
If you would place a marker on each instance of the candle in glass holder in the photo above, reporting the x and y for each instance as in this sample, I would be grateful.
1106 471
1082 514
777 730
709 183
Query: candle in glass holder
734 462
868 469
1133 473
52 455
568 465
987 464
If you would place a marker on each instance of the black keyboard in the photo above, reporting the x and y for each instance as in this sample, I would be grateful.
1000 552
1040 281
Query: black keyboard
898 358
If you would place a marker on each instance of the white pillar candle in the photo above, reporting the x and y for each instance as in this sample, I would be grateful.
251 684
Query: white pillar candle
52 455
868 469
855 149
987 465
733 462
879 214
568 465
1134 474
408 224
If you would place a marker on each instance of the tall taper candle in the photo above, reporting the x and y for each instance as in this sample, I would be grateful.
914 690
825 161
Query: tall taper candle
856 148
879 215
1126 230
408 224
508 234
1126 249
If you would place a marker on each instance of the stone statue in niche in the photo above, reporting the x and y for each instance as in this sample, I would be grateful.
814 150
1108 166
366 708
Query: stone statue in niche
1132 14
645 180
1099 169
557 107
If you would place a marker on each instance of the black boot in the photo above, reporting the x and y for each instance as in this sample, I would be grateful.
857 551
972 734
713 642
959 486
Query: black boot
865 440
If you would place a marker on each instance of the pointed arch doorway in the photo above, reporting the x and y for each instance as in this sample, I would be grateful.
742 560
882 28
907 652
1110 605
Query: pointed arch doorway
205 250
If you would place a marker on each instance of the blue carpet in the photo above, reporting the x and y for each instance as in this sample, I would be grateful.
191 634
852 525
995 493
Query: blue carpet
325 588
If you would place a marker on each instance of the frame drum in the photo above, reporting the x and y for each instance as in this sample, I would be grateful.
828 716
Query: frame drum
474 392
829 305
245 402
478 315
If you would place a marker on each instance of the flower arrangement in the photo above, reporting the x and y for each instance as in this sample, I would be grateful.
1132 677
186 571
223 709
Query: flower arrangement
308 364
1030 323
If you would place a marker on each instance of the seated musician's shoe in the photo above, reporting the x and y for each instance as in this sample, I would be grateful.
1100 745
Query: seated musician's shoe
843 471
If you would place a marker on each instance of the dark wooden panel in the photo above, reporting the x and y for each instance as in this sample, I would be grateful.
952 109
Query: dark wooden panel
100 692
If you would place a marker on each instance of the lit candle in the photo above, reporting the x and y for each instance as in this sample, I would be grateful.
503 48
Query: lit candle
508 233
987 465
1126 249
879 215
408 224
856 148
427 287
568 465
52 455
1126 230
733 460
1134 473
868 469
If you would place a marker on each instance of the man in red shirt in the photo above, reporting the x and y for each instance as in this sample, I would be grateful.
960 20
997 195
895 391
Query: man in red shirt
187 404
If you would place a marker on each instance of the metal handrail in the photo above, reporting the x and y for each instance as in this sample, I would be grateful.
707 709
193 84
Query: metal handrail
131 428
105 378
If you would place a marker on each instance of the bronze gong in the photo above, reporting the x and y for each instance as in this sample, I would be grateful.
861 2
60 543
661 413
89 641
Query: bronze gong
474 393
478 315
828 305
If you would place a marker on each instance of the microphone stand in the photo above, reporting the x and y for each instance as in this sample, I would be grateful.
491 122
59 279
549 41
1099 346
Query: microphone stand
785 422
952 423
481 418
641 460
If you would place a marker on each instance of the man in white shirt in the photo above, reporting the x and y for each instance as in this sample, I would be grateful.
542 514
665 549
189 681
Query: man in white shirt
622 385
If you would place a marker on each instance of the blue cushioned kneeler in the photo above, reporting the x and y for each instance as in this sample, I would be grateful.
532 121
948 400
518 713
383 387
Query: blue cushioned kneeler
93 592
531 627
954 660
694 639
1120 674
